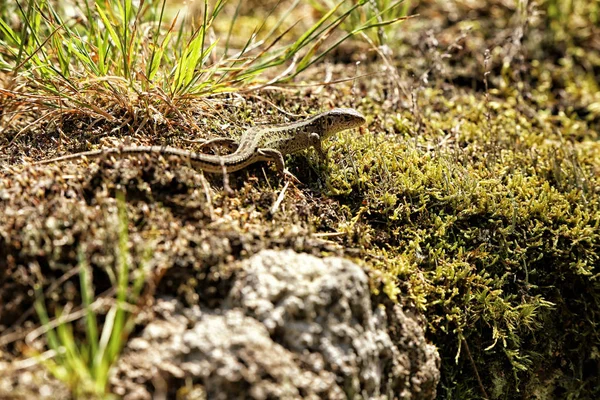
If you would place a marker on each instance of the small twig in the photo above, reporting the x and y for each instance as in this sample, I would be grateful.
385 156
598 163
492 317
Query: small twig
226 187
9 335
205 187
481 387
278 77
486 63
73 316
30 56
328 75
328 234
25 129
281 110
388 68
33 361
300 85
279 198
14 336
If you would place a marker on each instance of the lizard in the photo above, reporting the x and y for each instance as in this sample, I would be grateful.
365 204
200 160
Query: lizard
262 143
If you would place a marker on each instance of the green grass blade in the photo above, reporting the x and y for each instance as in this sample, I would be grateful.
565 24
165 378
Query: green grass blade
192 58
116 338
87 296
336 44
73 356
283 18
9 33
40 308
308 57
231 25
203 33
157 52
298 44
109 27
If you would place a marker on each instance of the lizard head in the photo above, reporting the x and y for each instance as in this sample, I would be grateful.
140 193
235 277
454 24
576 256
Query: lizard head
340 119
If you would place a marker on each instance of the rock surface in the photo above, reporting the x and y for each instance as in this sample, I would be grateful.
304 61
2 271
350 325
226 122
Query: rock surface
293 326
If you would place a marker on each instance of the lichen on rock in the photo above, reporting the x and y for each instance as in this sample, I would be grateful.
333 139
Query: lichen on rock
293 326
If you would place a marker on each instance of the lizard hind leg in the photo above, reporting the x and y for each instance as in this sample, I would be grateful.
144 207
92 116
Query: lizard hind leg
215 143
277 158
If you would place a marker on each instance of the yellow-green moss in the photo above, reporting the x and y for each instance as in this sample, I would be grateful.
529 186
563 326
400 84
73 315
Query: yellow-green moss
490 220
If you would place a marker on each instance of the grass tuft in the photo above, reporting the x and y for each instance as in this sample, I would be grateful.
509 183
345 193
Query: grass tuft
81 54
84 365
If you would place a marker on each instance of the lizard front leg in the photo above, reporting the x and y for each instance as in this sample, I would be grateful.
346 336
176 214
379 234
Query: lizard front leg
315 141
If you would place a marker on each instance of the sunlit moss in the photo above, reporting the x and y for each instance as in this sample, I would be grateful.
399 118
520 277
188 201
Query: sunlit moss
490 220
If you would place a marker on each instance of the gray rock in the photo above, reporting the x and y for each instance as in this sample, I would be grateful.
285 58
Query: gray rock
293 326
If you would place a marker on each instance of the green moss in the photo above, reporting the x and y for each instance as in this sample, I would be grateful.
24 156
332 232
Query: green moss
490 220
